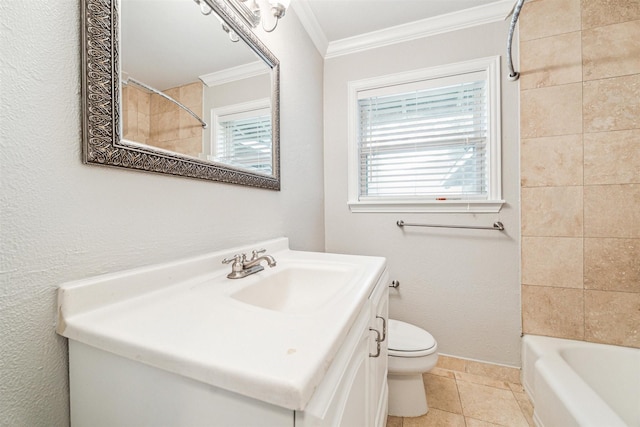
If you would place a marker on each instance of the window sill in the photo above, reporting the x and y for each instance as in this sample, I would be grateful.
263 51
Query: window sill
444 206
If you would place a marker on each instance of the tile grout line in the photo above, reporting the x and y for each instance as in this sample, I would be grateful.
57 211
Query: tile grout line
455 381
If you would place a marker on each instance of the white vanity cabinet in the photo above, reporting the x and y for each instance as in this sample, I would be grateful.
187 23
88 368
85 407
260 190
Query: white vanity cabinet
379 393
354 391
172 345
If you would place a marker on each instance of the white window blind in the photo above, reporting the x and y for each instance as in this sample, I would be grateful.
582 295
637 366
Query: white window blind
244 140
427 140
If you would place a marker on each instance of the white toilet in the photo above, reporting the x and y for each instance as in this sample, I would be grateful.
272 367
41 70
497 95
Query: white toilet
412 351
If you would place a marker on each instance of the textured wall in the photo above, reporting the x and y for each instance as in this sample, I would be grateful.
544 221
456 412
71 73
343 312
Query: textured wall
61 220
580 129
460 285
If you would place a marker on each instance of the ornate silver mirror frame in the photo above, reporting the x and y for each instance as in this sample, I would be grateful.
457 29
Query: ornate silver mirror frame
102 143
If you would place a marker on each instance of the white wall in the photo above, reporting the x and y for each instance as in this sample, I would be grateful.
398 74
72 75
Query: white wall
461 285
62 220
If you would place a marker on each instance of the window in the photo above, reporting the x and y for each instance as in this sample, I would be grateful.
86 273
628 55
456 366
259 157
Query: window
242 136
427 140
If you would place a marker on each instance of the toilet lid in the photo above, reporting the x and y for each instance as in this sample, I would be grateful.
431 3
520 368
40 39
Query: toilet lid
407 337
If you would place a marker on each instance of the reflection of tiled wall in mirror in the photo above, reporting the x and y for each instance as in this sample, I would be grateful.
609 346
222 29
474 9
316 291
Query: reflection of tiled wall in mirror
153 120
136 114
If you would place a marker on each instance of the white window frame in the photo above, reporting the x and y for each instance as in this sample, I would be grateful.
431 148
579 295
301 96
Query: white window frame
249 108
493 203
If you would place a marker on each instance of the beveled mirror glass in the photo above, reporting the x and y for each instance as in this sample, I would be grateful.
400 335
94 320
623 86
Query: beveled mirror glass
170 86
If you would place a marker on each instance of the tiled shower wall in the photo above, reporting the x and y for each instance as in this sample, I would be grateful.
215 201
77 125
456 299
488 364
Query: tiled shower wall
580 169
151 119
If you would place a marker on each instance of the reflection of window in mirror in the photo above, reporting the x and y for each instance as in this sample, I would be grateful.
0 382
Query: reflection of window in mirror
242 136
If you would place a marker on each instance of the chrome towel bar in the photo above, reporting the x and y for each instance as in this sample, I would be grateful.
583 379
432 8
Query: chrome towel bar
496 226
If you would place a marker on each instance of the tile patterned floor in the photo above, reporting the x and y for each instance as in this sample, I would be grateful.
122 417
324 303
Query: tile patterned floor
464 393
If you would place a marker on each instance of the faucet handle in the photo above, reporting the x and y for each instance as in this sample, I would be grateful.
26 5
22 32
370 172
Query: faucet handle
254 254
237 258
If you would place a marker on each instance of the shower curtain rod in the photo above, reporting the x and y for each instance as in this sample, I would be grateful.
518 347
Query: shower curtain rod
513 74
165 96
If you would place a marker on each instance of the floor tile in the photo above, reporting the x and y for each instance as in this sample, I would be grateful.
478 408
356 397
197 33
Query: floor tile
442 372
525 406
452 363
394 421
442 393
491 396
472 422
491 404
480 379
435 418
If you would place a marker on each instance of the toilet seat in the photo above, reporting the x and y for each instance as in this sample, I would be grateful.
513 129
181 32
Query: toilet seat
406 340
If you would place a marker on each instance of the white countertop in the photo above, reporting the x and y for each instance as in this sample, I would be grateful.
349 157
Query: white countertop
180 317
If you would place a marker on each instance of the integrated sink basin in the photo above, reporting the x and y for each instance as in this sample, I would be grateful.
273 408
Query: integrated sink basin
270 336
296 289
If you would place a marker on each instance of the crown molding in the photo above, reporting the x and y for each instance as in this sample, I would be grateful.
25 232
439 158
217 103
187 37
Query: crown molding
311 25
229 75
467 18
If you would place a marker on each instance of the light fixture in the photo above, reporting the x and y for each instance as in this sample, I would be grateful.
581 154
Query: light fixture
251 8
278 9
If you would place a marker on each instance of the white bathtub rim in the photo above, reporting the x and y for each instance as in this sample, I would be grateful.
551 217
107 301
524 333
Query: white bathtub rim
559 375
541 353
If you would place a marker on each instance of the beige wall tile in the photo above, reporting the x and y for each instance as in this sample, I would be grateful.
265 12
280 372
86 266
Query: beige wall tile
611 51
144 103
551 61
491 404
596 13
550 111
191 96
612 318
168 126
190 146
551 161
556 312
124 99
548 18
612 211
552 261
160 105
552 211
612 104
612 157
188 127
174 93
130 123
612 264
143 127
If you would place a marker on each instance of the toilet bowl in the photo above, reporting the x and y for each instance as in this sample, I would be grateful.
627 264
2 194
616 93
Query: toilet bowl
412 351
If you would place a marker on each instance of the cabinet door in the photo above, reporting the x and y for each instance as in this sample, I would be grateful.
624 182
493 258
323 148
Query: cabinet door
378 405
342 399
356 404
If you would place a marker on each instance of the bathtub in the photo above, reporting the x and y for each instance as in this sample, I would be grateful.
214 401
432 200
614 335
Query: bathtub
576 383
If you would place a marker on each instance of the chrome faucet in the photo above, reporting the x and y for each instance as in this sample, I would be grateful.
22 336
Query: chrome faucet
241 267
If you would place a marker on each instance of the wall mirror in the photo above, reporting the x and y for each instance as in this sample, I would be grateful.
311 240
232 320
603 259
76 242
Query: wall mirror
180 87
